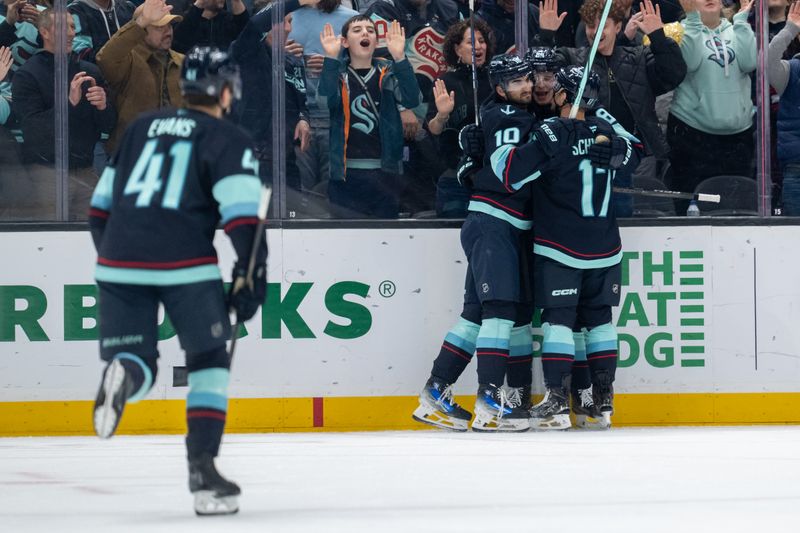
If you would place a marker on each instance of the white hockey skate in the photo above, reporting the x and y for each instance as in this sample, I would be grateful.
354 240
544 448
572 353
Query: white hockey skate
213 494
110 402
586 416
437 407
495 412
603 396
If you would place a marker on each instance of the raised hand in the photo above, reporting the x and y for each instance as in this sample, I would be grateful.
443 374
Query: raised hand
331 43
96 96
153 11
445 101
651 18
746 5
76 89
793 15
28 13
631 27
396 41
6 60
688 6
549 19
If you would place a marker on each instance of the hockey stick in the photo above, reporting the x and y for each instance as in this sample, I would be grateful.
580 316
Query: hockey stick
678 195
263 207
474 62
573 112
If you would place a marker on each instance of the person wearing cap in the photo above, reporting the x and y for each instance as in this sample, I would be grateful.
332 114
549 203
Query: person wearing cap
140 66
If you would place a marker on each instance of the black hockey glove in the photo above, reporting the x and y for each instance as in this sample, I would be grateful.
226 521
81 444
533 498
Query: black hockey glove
467 167
470 139
613 153
246 298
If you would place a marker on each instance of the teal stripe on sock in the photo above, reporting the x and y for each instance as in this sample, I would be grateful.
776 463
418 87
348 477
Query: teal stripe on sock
197 400
494 333
208 388
557 339
580 346
463 334
521 342
462 343
601 339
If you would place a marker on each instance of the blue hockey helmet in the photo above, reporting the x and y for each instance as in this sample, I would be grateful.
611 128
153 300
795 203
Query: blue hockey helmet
207 70
569 79
506 67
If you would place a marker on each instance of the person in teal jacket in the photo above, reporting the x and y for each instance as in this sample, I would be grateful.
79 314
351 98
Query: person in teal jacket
710 126
366 136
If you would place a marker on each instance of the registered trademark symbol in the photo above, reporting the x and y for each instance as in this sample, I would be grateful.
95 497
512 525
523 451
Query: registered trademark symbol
387 288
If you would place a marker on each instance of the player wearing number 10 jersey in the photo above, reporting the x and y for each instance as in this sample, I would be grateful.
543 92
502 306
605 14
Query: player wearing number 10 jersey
176 176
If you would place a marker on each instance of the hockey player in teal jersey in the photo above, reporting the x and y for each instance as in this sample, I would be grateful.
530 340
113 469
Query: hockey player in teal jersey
178 174
577 246
495 321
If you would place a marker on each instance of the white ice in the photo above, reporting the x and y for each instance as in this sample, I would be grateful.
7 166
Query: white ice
624 480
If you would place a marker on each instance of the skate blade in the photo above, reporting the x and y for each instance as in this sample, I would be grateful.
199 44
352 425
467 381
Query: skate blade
438 419
551 423
591 423
105 417
493 424
207 504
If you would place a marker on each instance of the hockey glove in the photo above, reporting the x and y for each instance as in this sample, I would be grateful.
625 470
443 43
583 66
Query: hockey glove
470 139
613 153
467 167
245 298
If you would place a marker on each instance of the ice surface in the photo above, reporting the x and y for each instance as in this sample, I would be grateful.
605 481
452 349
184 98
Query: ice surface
624 480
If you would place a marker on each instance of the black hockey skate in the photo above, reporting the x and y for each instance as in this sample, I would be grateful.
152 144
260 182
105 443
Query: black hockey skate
520 397
213 494
603 396
437 407
494 412
586 416
553 411
115 389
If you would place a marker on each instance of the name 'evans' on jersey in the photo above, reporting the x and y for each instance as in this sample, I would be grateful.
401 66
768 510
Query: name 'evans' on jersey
177 126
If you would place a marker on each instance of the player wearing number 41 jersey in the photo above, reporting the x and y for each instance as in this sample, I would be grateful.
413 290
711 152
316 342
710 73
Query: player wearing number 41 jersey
175 177
577 246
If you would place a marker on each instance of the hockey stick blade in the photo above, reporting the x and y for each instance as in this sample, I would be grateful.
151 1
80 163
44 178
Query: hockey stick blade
679 195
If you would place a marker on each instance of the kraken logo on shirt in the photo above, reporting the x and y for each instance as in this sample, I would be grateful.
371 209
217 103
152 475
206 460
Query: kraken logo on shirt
361 109
715 44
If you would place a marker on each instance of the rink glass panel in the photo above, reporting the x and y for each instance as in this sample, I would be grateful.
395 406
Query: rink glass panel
301 193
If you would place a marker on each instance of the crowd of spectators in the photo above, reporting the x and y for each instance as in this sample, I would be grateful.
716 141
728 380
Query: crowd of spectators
679 74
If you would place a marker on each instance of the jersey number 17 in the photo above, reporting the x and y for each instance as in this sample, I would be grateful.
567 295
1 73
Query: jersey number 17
589 176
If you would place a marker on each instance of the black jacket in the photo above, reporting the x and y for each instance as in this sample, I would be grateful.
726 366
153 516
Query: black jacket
33 102
95 26
460 82
642 73
254 57
219 31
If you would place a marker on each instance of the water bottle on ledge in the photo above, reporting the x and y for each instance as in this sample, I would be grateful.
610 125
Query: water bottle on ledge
693 210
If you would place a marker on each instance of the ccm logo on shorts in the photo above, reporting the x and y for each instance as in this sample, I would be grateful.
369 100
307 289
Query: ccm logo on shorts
564 292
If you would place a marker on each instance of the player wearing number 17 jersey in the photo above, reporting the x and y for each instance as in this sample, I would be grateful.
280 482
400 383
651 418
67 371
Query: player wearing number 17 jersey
577 246
176 176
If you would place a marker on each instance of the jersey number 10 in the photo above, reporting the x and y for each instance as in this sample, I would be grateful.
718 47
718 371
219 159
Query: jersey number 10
587 192
145 180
